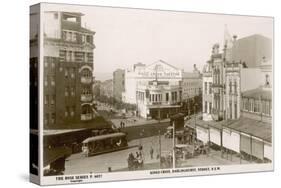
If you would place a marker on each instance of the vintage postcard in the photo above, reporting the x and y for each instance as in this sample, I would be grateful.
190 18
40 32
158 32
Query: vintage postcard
122 93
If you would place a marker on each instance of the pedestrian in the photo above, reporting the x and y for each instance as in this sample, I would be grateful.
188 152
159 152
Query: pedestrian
137 154
151 152
121 123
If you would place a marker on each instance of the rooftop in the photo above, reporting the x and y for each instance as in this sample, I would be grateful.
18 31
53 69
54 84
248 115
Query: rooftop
258 93
245 125
191 75
253 127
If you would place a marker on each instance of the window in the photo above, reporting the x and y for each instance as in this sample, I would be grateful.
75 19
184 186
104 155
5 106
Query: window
53 80
210 107
206 88
251 105
46 81
230 87
235 111
230 109
62 55
72 73
89 39
210 88
66 92
53 118
74 37
53 99
256 106
72 111
46 119
46 99
83 38
206 107
66 73
72 91
66 113
60 68
235 87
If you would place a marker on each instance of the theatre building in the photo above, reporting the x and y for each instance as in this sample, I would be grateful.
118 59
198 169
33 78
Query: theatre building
156 89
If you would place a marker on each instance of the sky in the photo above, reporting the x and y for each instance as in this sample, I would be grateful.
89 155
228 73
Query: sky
128 36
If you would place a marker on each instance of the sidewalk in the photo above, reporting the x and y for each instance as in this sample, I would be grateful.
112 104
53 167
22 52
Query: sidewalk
136 121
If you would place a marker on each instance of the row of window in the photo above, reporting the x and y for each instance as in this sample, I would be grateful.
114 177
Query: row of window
233 87
208 90
69 73
257 106
69 111
49 99
72 56
158 97
73 36
50 118
191 84
206 107
231 111
49 80
69 91
86 73
155 97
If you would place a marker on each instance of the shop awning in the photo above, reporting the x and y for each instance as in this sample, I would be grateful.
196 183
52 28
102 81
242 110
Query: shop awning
252 127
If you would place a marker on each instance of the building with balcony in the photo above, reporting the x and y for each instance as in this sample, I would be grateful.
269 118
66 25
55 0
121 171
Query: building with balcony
237 99
68 70
156 89
224 78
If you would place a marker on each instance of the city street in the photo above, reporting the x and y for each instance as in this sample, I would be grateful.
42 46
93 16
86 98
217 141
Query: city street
117 161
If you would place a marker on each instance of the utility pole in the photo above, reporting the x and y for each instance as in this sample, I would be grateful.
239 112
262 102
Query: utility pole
174 154
159 149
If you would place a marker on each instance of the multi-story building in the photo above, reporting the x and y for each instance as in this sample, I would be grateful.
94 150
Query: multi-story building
68 70
224 78
237 89
191 84
118 84
156 89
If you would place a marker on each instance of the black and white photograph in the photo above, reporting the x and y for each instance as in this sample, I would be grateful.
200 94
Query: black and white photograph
128 93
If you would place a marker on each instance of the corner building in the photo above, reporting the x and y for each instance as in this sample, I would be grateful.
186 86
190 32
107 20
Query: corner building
68 70
156 89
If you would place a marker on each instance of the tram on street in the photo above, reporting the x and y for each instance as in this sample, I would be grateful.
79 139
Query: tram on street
104 143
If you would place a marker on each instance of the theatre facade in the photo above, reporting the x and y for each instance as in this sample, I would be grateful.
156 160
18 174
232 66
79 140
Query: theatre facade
156 89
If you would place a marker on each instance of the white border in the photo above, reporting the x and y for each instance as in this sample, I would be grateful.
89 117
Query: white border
129 175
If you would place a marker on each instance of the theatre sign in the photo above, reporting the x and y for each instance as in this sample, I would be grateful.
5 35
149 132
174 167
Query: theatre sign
159 70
